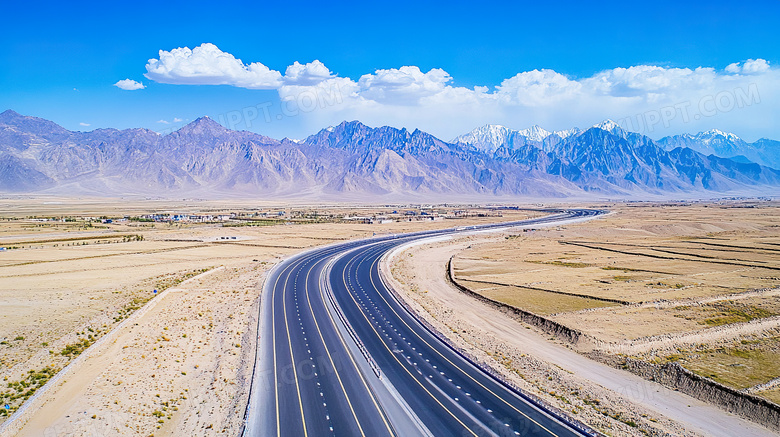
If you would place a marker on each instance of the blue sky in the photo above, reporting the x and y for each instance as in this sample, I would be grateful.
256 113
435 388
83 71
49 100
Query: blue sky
61 63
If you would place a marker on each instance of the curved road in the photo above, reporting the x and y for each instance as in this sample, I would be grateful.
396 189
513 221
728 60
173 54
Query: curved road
340 356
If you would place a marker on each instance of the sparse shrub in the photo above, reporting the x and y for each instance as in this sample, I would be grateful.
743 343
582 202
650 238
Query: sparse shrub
75 349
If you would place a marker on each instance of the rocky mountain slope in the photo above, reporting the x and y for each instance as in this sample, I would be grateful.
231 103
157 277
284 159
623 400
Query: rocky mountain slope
354 161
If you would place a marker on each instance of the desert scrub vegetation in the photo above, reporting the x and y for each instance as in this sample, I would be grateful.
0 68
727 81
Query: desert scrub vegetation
166 409
161 283
252 222
622 278
84 340
75 349
17 392
726 314
738 364
130 307
623 269
77 241
722 313
171 280
576 265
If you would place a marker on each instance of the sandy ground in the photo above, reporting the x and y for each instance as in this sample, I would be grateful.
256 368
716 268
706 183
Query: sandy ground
180 369
546 367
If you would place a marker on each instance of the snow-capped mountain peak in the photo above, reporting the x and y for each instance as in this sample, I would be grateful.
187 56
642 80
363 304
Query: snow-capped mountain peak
714 134
726 145
611 127
487 138
491 137
534 133
563 134
487 131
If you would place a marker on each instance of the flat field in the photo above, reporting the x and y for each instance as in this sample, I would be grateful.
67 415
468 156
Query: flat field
698 283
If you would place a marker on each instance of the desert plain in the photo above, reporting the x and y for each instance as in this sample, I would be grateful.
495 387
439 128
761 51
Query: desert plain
141 315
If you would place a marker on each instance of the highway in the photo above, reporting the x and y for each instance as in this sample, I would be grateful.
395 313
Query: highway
339 355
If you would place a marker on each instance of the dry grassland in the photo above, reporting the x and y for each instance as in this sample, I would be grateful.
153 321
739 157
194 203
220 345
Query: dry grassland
772 395
741 364
696 284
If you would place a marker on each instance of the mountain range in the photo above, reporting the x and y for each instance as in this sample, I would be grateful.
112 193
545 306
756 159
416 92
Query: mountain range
352 161
727 145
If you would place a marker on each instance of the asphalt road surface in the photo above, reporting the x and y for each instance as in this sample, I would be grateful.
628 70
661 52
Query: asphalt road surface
339 356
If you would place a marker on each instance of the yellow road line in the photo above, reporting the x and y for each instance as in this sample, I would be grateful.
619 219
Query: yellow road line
292 356
273 345
327 351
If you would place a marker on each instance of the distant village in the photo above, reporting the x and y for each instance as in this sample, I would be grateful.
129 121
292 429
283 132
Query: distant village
292 216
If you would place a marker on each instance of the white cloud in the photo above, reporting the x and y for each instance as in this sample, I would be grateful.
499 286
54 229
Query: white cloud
307 74
129 85
177 120
751 66
403 85
654 100
538 87
208 65
84 124
645 79
163 122
409 97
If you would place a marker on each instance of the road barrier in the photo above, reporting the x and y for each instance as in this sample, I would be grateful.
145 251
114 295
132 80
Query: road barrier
329 292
